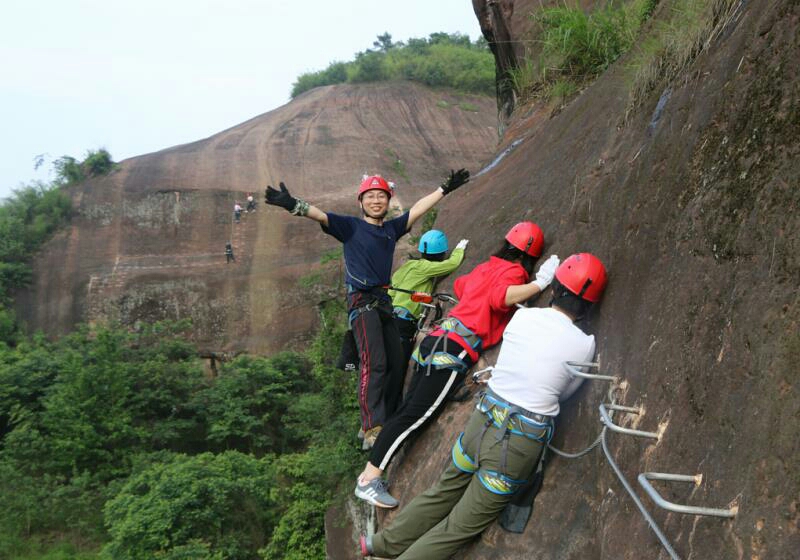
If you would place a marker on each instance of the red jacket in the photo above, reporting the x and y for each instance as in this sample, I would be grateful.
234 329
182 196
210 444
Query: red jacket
482 294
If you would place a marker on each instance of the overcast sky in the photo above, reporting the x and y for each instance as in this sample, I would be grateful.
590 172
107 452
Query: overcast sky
136 76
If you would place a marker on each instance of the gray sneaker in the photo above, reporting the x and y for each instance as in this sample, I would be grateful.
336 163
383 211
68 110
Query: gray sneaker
376 492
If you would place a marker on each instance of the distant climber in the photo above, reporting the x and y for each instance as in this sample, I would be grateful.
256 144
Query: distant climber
513 422
251 203
369 243
229 253
487 298
237 212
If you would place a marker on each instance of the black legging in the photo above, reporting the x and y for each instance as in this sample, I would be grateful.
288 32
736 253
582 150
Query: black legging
408 332
425 395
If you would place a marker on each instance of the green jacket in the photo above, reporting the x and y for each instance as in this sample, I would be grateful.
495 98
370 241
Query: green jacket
418 275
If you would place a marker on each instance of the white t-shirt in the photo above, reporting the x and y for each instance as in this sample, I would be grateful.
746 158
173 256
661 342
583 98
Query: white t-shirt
530 368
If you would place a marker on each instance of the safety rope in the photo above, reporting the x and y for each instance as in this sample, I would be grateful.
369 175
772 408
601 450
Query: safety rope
579 454
594 444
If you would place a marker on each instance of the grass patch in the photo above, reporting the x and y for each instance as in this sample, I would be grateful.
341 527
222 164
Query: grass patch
562 90
686 28
465 106
332 255
310 280
398 166
526 79
574 47
443 104
66 551
428 220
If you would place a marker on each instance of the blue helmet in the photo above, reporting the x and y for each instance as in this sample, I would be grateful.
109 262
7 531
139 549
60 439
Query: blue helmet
433 242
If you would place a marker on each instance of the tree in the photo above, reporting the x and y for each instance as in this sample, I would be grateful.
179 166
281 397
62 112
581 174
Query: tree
206 506
68 170
98 162
384 43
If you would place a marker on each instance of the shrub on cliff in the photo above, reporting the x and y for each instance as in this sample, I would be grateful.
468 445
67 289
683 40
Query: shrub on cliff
441 60
70 171
575 46
27 219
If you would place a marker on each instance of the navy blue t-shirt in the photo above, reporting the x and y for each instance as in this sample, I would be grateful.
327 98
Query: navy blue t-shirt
368 249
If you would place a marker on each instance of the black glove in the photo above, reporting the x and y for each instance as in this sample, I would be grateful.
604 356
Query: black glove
455 180
280 198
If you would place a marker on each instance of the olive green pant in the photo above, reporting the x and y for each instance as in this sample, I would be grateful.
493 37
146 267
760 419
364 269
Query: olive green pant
458 507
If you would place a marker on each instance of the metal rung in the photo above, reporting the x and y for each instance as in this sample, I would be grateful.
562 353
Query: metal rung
572 368
614 428
619 407
644 481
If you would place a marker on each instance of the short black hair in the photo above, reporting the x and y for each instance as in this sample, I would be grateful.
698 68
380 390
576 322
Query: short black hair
569 302
510 253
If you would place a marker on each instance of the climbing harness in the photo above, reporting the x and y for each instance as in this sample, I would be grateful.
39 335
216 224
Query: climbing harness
377 297
451 328
403 313
508 419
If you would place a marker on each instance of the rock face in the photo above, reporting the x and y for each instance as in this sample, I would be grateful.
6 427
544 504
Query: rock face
692 203
148 241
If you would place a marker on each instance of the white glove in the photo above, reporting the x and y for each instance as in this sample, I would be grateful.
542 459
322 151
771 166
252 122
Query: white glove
546 272
462 244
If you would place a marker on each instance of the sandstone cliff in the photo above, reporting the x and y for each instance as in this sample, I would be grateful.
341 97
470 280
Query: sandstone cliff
692 202
148 242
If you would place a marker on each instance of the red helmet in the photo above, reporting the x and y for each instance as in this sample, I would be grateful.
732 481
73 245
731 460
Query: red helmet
527 237
374 182
583 275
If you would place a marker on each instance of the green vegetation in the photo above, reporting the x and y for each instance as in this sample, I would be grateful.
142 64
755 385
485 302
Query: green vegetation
675 40
332 255
70 171
28 218
202 506
428 220
116 439
576 46
441 60
114 443
398 166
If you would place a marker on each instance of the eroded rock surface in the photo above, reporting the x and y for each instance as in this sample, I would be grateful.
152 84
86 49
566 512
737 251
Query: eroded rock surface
148 241
694 209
